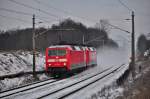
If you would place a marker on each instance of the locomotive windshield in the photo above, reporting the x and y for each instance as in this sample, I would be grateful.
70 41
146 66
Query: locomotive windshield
56 52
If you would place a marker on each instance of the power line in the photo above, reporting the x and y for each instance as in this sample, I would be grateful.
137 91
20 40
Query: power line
45 12
43 20
48 5
34 8
53 30
24 13
47 21
18 19
29 14
62 10
124 5
38 17
116 27
14 11
99 37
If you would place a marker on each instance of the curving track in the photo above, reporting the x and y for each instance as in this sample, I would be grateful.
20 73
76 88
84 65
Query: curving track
71 89
59 88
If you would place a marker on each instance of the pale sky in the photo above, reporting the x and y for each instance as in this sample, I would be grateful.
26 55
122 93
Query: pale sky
86 11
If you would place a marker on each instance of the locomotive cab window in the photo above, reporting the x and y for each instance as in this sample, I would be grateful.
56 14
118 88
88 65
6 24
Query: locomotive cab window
56 52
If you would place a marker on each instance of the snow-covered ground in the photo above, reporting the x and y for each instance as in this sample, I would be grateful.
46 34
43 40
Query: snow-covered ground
11 64
15 62
22 61
102 88
18 61
106 57
40 59
46 89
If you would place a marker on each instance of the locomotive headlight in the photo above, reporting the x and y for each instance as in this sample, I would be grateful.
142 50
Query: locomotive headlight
51 60
64 63
63 60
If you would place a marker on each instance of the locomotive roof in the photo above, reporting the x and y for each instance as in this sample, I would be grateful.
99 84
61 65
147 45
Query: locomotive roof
74 47
59 46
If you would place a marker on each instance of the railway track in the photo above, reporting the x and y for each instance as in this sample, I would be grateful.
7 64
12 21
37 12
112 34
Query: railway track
23 88
71 89
49 90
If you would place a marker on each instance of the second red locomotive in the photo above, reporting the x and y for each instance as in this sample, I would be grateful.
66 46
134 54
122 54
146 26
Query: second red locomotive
66 58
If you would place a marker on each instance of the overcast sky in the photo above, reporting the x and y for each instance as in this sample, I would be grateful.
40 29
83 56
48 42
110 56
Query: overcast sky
89 12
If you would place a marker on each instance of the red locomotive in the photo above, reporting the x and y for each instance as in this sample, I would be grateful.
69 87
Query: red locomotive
66 58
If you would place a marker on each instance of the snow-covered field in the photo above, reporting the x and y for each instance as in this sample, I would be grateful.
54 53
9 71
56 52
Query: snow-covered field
107 88
22 61
18 61
15 62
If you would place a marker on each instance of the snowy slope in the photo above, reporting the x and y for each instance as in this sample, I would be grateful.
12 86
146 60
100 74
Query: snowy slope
40 59
11 64
22 61
19 61
14 62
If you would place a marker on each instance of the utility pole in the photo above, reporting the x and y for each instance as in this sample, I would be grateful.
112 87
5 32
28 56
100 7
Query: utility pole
33 45
133 46
132 65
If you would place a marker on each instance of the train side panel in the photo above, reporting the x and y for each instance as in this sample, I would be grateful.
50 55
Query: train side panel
92 56
87 57
77 59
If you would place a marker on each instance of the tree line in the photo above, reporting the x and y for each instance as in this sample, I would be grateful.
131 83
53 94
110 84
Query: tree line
66 32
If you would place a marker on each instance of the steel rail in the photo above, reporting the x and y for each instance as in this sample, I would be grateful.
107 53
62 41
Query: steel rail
24 88
24 85
73 84
16 91
72 92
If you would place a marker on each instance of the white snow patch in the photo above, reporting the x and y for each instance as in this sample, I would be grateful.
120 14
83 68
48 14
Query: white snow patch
102 88
15 62
40 59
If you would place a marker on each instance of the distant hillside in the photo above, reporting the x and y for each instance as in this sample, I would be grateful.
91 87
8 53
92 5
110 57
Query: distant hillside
22 38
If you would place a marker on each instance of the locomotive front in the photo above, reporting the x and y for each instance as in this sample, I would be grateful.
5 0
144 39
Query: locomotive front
56 59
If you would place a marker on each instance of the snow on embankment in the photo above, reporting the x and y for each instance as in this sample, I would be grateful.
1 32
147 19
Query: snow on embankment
15 62
40 59
11 64
108 88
